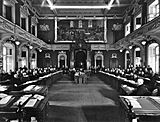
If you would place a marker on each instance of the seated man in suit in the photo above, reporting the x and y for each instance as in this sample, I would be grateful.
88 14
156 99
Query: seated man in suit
142 89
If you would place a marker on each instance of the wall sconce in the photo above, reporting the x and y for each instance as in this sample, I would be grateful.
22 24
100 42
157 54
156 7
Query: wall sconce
30 47
130 47
17 43
143 42
40 50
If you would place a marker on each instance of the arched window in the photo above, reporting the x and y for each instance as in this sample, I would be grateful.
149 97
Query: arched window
99 59
24 57
153 57
137 57
127 59
62 59
8 57
9 10
34 60
24 13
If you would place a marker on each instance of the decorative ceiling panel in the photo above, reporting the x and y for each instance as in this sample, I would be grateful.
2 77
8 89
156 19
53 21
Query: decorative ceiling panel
118 8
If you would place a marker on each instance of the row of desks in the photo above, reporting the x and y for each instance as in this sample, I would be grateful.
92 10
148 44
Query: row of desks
13 107
134 108
28 101
116 82
46 80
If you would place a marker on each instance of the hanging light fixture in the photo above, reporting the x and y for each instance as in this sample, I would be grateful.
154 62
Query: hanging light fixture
17 43
130 47
30 47
108 6
40 50
143 42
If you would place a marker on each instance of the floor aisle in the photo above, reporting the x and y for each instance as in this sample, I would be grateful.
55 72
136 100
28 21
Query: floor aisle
92 102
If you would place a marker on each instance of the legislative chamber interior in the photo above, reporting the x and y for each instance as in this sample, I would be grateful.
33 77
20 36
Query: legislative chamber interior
79 61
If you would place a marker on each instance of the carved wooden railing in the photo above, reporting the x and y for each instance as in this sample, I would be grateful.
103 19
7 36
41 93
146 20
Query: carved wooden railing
16 30
143 30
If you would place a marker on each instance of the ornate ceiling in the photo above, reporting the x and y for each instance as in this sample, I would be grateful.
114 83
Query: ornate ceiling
95 7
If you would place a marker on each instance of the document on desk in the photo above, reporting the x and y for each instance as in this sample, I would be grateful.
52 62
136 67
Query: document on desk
2 95
133 101
39 97
37 88
31 103
135 104
5 100
22 99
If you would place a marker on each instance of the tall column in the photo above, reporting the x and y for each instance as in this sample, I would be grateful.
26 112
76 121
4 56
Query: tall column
16 56
159 61
72 59
143 56
1 55
146 54
55 29
1 7
144 13
29 58
105 29
88 59
131 54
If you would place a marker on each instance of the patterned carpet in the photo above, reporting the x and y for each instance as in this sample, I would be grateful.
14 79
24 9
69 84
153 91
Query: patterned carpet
91 102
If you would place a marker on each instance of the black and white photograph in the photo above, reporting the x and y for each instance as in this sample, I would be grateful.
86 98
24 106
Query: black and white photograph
79 61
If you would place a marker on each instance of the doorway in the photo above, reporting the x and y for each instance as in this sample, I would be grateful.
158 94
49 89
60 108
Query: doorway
62 61
8 57
99 61
80 59
153 57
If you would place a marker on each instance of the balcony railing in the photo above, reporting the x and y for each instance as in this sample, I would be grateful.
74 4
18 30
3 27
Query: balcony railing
143 30
12 28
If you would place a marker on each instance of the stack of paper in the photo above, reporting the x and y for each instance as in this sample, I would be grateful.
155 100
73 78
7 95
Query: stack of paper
36 88
3 88
5 100
135 104
31 103
133 101
39 97
2 95
22 99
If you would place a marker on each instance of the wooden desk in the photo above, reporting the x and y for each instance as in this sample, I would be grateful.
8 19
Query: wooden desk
143 108
116 81
32 106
